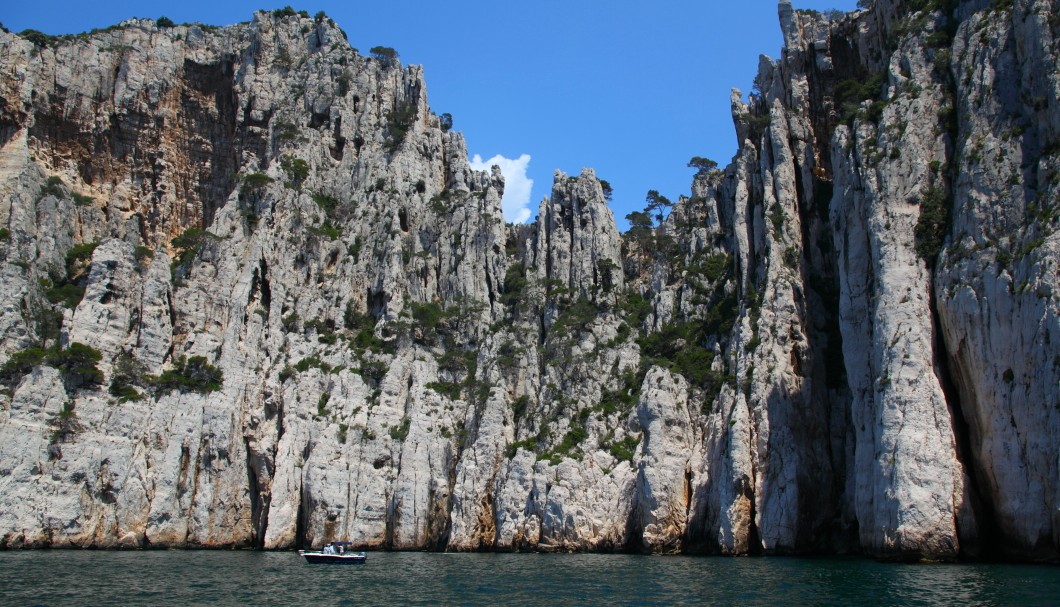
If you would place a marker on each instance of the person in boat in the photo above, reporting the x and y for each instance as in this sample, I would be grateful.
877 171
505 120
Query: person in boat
328 549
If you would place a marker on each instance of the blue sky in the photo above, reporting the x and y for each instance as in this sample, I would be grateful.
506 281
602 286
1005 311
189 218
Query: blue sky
631 88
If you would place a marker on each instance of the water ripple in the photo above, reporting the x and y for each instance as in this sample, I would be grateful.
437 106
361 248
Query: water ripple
64 577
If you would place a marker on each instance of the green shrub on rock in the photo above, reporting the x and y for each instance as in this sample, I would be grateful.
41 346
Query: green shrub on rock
931 226
297 171
76 363
385 55
193 374
21 364
126 375
399 122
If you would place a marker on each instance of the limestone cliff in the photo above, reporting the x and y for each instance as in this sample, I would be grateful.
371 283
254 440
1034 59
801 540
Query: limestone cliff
254 295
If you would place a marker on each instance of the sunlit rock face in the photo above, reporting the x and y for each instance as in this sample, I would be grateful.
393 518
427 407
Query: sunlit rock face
253 294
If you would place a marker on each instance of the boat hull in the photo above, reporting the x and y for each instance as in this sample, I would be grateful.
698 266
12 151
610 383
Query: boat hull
335 559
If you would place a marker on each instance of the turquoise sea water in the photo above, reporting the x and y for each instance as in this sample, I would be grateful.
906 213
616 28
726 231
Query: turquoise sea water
66 577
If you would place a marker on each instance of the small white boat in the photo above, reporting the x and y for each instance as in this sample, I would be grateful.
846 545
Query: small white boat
335 552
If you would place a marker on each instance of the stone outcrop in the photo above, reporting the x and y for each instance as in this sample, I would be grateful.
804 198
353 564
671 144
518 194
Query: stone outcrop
253 294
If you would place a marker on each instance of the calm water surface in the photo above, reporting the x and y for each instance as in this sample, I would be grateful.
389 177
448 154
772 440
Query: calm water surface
65 577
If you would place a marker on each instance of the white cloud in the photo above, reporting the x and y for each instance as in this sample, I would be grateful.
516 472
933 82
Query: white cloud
516 200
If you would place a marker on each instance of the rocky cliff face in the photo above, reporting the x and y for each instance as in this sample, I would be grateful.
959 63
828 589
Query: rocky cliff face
253 295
